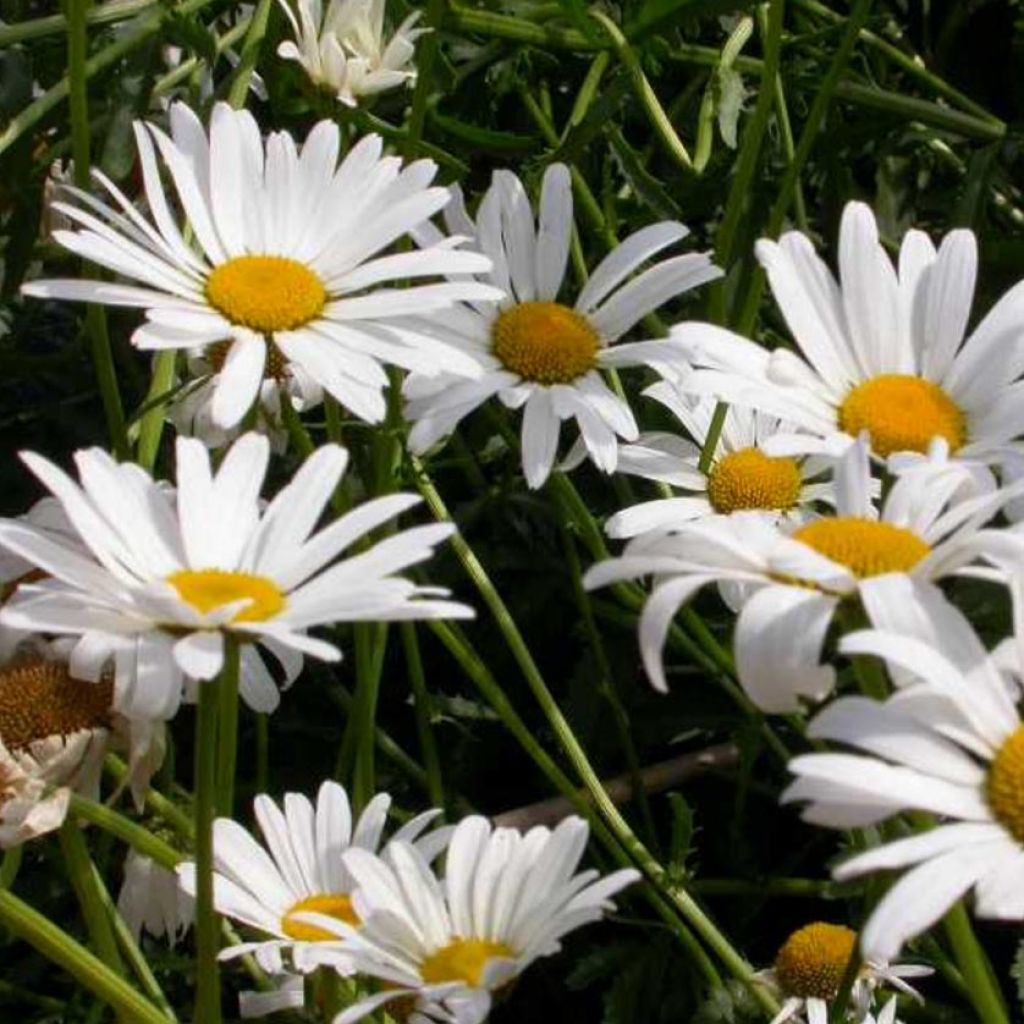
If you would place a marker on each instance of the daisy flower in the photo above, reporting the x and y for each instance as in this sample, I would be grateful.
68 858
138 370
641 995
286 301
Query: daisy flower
151 900
539 354
811 966
506 900
343 51
741 478
884 349
281 259
162 582
298 870
795 576
950 743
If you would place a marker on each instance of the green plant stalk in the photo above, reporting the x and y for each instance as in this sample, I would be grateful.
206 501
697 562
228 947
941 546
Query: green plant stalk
262 772
227 727
135 835
207 928
982 987
423 705
10 865
54 24
155 800
152 424
426 61
250 54
363 720
181 73
58 947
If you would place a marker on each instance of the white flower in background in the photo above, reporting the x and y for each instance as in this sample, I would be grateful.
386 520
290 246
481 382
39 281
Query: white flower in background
506 900
536 353
811 966
151 900
949 742
884 349
794 576
741 476
282 259
343 51
299 870
163 581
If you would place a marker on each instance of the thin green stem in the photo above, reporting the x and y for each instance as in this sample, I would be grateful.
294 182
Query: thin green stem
227 727
135 835
239 90
426 60
982 987
10 866
155 800
54 24
423 707
152 424
363 719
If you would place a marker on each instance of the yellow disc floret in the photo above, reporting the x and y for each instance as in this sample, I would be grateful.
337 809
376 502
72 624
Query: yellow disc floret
902 413
266 293
545 342
39 699
813 960
1005 785
462 960
865 547
749 479
336 905
208 589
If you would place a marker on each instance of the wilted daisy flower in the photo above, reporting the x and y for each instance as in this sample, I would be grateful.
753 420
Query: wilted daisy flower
535 352
152 900
343 50
885 349
280 263
297 870
741 476
164 582
951 743
506 900
796 575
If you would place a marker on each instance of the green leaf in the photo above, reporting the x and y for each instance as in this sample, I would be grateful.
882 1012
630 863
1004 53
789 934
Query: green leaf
483 138
681 843
648 189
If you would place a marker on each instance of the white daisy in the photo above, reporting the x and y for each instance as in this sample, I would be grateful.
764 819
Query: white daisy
506 900
299 869
343 51
163 582
151 900
535 352
884 349
951 743
281 261
741 477
795 576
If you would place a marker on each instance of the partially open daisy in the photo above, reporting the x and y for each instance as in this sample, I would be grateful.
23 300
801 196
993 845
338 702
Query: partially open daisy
163 582
280 261
151 900
794 576
298 870
535 352
506 900
742 477
951 743
884 350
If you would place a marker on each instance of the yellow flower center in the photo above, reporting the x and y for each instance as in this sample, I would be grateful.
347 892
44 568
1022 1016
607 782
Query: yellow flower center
1005 785
39 699
208 589
865 547
337 905
749 479
813 960
462 960
545 342
902 413
266 293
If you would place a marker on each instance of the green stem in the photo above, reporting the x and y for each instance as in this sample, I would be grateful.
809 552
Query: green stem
10 865
88 970
250 54
978 976
135 835
227 725
423 706
155 800
363 720
207 1005
426 60
262 751
152 424
53 24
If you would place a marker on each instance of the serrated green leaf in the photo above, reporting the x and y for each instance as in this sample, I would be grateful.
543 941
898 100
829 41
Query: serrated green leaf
648 189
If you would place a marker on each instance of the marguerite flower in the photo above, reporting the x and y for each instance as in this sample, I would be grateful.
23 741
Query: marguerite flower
342 49
535 352
951 743
299 870
152 900
506 900
884 349
795 576
281 259
163 581
741 477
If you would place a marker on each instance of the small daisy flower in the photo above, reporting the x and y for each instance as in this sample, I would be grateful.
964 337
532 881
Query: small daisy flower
795 576
151 900
299 870
884 349
741 478
506 900
949 742
536 353
282 259
343 51
162 581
